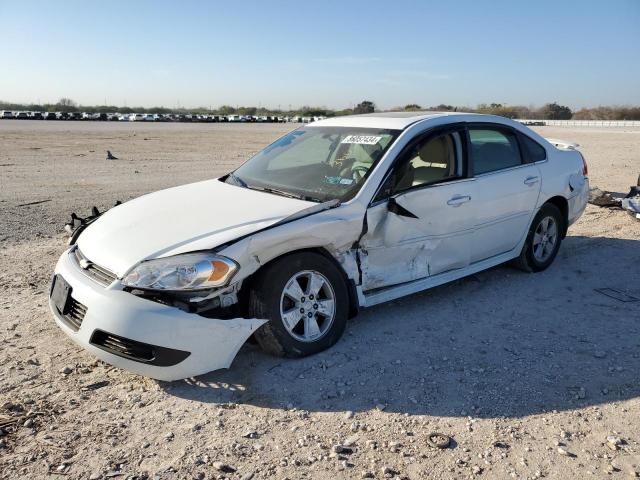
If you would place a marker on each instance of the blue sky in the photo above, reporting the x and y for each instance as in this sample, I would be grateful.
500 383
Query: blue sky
330 53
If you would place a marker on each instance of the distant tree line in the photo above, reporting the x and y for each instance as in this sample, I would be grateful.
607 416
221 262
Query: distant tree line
608 113
549 111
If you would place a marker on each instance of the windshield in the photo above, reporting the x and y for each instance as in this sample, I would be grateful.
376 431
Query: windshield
316 163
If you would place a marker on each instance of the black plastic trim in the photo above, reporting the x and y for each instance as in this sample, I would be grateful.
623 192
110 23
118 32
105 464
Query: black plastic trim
137 351
394 207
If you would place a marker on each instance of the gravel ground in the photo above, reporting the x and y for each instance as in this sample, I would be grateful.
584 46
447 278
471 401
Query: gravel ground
530 375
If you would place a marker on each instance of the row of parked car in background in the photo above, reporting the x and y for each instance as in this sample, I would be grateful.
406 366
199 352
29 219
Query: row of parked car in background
152 117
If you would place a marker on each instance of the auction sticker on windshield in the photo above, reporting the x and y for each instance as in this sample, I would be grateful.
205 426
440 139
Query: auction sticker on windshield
362 139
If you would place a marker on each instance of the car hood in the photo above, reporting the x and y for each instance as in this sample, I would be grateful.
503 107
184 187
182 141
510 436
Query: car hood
182 219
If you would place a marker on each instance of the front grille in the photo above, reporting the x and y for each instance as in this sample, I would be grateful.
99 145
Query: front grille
101 275
74 315
137 351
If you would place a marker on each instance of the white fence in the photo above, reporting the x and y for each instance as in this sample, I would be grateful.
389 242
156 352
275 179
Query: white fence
585 123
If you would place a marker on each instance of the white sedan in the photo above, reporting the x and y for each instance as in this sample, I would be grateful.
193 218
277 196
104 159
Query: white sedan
341 214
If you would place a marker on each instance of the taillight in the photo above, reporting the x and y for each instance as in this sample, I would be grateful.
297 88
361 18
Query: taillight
585 169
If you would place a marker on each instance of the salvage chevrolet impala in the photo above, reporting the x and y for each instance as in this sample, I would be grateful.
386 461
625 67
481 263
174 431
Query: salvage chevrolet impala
335 216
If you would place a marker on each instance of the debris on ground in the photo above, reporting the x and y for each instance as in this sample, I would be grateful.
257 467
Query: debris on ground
601 198
37 202
438 440
95 386
631 203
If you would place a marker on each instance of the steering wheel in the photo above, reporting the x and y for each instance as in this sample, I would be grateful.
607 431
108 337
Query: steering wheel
358 172
344 166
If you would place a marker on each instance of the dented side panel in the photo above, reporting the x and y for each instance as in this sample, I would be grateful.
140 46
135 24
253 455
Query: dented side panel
400 248
336 230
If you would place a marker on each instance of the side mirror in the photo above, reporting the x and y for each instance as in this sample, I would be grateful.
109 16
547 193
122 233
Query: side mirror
394 207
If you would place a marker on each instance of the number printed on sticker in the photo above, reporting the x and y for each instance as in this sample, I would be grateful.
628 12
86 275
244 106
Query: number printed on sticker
362 139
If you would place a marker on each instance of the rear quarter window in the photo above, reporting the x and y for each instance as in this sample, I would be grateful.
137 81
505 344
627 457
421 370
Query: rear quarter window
532 150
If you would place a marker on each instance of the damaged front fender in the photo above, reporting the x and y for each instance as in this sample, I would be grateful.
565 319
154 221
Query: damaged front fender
336 230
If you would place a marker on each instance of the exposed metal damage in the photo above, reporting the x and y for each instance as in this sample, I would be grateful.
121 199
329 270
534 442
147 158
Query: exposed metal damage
307 232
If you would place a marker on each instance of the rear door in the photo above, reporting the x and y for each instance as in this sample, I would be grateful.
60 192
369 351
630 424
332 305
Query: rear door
505 190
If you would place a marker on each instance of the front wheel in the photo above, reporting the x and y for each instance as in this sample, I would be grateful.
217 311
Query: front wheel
305 299
543 240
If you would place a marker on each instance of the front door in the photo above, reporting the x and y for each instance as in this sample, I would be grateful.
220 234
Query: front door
421 221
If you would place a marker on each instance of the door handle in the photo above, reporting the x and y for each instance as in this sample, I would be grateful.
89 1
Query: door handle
531 180
458 200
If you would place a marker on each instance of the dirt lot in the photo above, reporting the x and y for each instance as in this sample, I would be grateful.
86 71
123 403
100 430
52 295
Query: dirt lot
529 374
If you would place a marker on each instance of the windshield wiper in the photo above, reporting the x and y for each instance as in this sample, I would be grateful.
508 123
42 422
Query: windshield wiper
282 193
238 180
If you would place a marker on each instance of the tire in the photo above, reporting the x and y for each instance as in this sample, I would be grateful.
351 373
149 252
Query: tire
537 254
290 331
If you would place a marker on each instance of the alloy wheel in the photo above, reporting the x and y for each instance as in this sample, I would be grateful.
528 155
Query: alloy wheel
545 238
307 306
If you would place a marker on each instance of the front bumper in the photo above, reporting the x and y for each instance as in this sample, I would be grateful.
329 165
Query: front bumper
212 344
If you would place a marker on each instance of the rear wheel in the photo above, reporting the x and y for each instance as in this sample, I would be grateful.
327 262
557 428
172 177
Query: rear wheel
305 299
543 240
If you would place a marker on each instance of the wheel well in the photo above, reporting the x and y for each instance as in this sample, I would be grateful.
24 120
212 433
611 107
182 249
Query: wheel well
563 206
354 305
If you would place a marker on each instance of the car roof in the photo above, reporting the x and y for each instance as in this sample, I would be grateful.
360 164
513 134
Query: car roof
390 120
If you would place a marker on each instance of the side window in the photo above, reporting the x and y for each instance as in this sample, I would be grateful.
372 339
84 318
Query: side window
430 161
532 150
493 150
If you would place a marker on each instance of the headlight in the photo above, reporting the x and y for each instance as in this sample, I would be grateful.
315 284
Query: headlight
193 271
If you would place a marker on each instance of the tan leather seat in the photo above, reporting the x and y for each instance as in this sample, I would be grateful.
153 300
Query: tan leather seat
434 161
